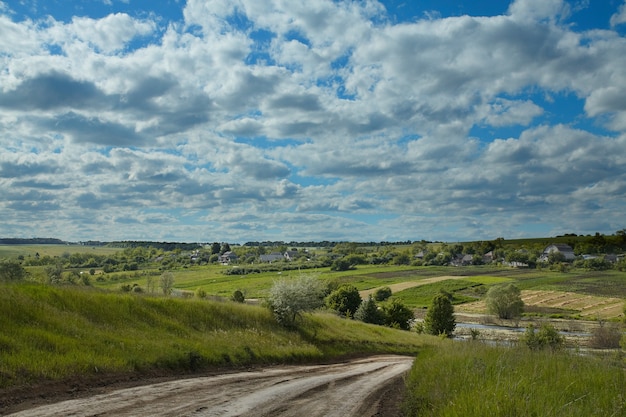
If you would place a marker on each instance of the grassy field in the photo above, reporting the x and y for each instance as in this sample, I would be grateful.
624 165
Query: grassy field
415 286
471 379
57 333
13 251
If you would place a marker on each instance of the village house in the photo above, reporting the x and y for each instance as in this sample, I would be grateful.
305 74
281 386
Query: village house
272 257
566 250
228 257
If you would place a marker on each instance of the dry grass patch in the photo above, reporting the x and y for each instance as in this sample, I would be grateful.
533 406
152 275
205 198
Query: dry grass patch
586 306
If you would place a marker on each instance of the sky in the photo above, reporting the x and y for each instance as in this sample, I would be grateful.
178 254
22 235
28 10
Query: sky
289 120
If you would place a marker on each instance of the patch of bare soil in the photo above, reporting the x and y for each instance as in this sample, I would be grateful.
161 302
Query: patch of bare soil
361 387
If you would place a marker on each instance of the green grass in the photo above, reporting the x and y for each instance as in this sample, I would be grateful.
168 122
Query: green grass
56 333
422 296
488 280
474 380
13 251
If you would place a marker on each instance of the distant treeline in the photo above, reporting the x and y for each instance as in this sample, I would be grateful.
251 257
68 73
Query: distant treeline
31 241
324 243
166 246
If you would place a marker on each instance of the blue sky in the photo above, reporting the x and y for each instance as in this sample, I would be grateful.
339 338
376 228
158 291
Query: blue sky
240 120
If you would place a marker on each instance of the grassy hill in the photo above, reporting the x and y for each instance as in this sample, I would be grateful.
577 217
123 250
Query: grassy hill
52 333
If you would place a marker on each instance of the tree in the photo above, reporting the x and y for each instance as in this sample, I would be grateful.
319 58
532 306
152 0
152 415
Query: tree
382 294
215 248
505 301
54 273
150 284
11 271
345 300
398 315
368 312
402 259
342 264
556 257
440 316
289 299
167 282
238 297
224 248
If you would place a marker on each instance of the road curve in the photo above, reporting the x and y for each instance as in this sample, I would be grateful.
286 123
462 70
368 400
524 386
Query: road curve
353 388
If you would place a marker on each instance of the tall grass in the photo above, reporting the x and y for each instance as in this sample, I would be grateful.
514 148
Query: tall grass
55 333
471 379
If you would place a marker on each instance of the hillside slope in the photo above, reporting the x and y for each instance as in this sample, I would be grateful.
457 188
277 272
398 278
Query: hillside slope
58 333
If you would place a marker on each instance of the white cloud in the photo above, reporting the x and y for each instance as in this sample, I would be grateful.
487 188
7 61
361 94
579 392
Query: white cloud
619 17
347 119
538 9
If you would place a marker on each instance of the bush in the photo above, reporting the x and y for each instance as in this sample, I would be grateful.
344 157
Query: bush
11 271
345 300
342 264
382 294
546 337
238 297
398 315
201 293
605 337
505 301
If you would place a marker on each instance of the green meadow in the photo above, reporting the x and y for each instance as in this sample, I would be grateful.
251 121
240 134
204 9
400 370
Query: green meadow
13 251
52 333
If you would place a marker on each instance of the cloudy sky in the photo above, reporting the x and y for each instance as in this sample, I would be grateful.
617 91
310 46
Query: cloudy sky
242 120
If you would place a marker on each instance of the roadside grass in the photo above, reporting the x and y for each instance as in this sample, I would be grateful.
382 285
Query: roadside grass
473 379
56 333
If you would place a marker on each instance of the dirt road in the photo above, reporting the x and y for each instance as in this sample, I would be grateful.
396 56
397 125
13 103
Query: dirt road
355 388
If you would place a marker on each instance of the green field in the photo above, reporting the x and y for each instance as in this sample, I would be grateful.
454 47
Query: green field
13 251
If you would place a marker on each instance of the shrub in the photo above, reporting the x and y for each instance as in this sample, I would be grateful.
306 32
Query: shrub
342 264
398 315
11 271
201 293
238 297
605 337
382 294
546 337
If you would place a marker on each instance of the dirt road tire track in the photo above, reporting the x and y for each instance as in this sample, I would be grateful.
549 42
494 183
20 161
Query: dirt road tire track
360 388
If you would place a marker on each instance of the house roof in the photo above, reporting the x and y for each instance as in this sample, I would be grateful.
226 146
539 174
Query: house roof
561 247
